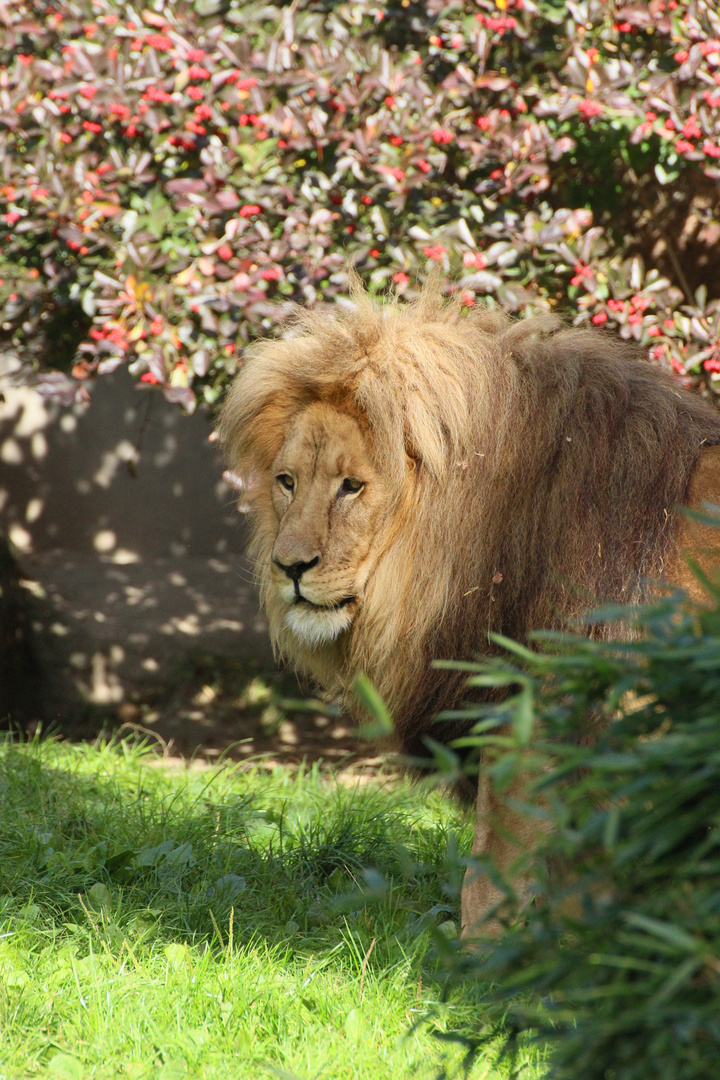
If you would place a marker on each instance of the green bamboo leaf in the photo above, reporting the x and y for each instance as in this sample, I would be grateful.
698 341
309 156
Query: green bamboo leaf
666 931
382 725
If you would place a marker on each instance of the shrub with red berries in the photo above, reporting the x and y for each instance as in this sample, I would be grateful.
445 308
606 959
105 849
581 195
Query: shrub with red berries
168 171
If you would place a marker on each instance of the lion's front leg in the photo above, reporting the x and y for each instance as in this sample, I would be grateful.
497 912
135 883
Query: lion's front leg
504 837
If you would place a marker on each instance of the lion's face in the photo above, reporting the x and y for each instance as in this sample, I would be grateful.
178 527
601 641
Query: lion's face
330 502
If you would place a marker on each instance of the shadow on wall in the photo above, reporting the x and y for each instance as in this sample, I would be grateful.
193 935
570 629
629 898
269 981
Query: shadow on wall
130 547
128 477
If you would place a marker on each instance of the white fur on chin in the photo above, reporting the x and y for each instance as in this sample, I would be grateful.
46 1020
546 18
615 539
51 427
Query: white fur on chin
315 626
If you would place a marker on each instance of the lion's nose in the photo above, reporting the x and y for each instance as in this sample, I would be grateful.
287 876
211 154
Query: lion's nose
296 570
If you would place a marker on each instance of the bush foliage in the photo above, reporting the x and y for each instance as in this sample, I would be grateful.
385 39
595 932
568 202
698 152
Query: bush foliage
617 963
171 171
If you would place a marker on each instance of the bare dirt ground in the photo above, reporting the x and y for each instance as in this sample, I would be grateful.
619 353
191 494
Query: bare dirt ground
176 651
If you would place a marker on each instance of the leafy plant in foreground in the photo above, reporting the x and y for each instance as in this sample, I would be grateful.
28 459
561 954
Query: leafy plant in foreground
616 964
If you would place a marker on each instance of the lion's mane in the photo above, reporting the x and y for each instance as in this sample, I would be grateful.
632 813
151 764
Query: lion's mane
549 463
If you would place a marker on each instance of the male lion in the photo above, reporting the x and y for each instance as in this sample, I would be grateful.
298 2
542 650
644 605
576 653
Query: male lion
419 479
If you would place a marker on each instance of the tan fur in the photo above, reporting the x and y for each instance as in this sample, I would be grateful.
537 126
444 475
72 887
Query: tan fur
514 473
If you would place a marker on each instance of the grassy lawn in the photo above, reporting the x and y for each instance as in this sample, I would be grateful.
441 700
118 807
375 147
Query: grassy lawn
169 924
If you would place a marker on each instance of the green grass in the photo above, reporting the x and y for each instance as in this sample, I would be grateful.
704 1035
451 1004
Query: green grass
207 924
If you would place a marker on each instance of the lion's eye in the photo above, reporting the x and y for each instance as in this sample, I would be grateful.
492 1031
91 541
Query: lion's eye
286 482
350 486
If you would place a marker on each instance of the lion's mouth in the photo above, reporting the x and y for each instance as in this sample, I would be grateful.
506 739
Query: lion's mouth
300 599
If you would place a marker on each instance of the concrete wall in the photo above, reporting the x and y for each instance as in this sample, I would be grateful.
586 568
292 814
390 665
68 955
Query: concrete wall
129 476
131 547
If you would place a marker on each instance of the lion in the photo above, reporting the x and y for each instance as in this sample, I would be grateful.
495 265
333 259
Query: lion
421 478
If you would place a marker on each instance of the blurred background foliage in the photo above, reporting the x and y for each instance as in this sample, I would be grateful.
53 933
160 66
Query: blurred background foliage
170 172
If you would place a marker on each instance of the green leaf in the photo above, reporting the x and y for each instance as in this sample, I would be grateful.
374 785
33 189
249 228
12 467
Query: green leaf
666 931
354 1025
65 1067
175 955
382 725
524 715
666 176
100 897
